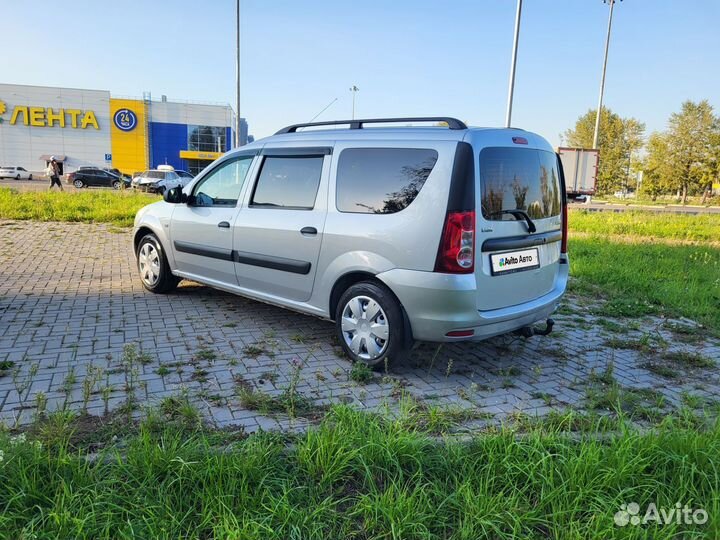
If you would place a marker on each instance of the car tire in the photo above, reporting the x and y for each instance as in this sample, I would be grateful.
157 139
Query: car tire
370 324
17 177
153 267
79 184
116 184
160 190
30 177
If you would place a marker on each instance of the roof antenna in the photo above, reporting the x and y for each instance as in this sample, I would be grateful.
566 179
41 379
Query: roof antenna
325 109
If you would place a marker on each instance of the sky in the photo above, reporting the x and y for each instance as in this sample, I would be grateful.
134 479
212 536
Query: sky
408 58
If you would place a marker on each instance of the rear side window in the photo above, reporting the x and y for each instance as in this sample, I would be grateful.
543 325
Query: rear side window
288 182
519 179
381 180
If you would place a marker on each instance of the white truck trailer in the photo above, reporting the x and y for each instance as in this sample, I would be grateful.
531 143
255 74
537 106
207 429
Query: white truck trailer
580 166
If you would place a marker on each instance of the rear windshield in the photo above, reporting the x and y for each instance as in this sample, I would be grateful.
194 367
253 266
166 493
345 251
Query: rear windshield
519 179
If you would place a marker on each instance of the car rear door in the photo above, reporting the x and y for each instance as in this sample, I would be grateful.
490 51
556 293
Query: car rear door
518 221
201 230
89 177
279 232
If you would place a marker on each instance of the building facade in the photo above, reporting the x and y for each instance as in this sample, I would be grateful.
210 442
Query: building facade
93 128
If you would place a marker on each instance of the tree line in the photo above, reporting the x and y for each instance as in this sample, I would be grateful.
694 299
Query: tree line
683 160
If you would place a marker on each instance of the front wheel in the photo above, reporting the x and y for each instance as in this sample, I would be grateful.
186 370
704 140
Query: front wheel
370 325
153 267
17 177
30 177
116 184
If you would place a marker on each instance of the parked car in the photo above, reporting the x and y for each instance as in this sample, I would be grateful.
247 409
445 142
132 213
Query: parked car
17 173
116 172
396 234
158 181
86 177
184 174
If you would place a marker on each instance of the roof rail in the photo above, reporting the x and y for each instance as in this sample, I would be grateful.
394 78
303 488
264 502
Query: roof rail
452 123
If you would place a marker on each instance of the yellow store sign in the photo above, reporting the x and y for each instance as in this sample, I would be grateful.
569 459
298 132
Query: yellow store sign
49 117
128 135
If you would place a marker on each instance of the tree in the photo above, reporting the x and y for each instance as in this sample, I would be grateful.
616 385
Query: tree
657 168
618 140
693 147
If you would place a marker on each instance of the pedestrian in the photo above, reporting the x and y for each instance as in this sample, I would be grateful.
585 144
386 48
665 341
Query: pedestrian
53 171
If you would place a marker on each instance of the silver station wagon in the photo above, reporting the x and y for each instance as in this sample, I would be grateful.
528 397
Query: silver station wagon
440 233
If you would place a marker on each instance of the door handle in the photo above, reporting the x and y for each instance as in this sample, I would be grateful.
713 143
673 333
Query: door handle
308 231
224 225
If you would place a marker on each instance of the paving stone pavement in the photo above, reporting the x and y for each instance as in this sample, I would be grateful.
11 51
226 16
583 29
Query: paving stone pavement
78 331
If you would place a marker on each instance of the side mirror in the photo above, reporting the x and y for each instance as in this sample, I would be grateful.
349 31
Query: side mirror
174 195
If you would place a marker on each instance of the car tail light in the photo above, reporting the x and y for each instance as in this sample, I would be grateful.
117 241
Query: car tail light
563 244
456 254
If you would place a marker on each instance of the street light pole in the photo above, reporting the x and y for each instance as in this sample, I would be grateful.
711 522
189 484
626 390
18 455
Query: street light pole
511 85
237 75
596 134
354 90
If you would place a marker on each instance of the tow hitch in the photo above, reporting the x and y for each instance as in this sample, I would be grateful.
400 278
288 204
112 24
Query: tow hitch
530 331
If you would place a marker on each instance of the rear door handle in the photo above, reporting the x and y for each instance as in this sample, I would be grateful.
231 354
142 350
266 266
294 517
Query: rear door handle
308 231
224 225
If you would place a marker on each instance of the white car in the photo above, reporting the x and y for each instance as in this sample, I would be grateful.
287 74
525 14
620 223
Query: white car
158 181
17 173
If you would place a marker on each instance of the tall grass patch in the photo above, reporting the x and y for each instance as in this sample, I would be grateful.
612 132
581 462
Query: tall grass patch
360 476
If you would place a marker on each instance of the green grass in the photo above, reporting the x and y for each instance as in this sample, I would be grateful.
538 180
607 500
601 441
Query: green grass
116 207
643 278
358 476
646 224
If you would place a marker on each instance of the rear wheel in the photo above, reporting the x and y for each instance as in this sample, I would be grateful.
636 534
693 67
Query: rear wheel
79 184
30 177
370 325
153 267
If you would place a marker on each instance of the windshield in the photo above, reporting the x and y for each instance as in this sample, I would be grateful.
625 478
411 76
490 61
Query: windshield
519 179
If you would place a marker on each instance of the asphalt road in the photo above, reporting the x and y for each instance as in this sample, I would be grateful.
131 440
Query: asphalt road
40 184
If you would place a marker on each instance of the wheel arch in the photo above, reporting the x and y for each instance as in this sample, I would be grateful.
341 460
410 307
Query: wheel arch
343 283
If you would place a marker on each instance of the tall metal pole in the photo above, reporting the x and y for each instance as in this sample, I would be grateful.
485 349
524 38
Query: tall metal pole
602 79
237 75
511 85
354 90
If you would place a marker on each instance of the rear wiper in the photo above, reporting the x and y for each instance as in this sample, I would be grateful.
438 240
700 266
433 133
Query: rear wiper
522 214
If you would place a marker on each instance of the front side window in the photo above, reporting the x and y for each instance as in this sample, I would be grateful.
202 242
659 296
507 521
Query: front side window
381 180
519 179
288 182
223 185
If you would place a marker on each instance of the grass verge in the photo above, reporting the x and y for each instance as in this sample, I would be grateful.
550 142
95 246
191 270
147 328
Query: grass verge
101 206
647 278
358 476
682 227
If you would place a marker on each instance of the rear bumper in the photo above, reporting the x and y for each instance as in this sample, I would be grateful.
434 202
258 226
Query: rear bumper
440 303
